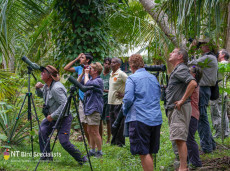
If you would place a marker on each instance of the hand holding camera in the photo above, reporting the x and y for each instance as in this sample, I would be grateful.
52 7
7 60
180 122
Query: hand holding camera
45 110
87 70
120 95
49 118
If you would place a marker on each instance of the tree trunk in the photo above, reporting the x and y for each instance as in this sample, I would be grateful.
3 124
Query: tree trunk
162 20
4 61
227 46
11 62
8 64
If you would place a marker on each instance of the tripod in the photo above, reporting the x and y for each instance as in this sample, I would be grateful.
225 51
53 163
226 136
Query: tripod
58 124
30 99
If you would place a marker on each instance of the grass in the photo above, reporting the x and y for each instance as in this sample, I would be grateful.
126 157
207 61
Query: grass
114 158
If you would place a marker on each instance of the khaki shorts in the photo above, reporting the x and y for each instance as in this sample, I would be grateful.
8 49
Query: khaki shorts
179 122
81 112
93 119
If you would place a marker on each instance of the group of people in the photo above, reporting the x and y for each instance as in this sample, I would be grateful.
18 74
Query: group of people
137 99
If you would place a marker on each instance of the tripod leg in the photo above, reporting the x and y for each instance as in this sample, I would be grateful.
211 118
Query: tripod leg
12 132
30 119
82 132
36 116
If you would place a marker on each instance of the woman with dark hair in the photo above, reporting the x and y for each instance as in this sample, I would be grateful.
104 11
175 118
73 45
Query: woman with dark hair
193 150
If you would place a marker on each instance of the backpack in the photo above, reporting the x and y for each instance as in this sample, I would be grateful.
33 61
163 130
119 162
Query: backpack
215 92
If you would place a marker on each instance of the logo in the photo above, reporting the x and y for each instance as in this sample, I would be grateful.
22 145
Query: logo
6 154
115 79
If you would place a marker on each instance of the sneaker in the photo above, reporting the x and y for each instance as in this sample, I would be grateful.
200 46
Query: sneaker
92 153
176 164
98 154
84 160
192 167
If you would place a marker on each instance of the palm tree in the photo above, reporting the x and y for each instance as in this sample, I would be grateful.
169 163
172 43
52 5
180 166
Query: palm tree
192 18
18 20
132 27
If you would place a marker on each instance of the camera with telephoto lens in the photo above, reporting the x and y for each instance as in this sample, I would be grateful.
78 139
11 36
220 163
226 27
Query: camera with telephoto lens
161 67
45 110
86 66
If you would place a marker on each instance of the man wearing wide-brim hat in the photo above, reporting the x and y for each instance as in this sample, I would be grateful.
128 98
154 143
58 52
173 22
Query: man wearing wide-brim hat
207 42
208 62
55 98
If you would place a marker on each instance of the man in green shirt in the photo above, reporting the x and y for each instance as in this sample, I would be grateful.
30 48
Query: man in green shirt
105 75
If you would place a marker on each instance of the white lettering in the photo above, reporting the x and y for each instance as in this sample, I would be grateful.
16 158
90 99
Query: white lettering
14 153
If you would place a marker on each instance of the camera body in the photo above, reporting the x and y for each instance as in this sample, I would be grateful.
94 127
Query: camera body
45 110
85 66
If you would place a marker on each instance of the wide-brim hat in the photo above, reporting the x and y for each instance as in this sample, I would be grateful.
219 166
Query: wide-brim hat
52 71
203 41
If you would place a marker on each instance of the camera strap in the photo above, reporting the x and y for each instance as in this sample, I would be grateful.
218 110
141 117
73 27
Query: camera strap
48 90
47 95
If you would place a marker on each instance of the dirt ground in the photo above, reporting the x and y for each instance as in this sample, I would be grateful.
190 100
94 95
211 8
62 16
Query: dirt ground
216 164
220 163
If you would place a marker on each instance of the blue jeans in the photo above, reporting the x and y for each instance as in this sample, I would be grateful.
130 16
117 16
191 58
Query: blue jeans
206 140
63 136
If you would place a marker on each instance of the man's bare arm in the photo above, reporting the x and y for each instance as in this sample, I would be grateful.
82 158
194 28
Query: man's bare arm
81 76
69 67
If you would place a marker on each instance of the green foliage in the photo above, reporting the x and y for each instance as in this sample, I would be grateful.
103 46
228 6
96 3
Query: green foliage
9 84
3 137
133 27
205 63
114 158
80 27
18 19
223 68
7 122
193 18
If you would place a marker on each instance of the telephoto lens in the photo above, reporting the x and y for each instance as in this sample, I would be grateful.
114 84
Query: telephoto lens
161 67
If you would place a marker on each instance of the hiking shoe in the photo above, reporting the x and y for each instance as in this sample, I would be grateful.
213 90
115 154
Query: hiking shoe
98 154
92 153
84 160
192 167
176 164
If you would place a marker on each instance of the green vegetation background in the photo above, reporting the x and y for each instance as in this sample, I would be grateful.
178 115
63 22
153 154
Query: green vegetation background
114 158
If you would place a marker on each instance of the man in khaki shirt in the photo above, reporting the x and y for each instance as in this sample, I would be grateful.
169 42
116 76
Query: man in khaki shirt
116 93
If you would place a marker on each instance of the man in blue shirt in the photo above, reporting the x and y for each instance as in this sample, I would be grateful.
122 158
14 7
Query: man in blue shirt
84 59
142 110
